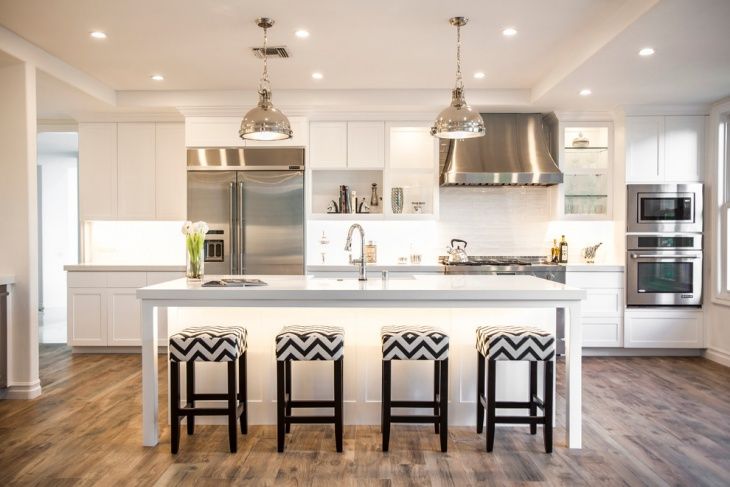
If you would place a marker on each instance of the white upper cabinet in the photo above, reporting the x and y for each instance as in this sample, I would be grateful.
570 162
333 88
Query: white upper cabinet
136 171
132 171
366 145
328 145
223 132
683 148
170 172
97 171
411 147
664 148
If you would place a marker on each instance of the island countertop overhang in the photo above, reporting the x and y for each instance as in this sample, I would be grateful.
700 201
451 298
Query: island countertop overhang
416 289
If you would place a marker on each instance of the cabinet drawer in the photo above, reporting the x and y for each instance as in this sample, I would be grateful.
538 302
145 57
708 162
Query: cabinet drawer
595 280
127 279
603 332
86 279
663 329
603 302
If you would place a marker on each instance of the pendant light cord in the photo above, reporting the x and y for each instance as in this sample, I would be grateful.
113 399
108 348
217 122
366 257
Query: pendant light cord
264 83
459 82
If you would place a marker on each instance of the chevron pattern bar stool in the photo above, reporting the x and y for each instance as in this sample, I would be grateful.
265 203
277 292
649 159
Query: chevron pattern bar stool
416 343
516 343
299 343
208 344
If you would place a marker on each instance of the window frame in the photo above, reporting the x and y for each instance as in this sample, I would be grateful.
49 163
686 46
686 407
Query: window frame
721 286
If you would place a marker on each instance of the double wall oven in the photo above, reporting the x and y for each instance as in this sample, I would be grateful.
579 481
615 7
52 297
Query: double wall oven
664 245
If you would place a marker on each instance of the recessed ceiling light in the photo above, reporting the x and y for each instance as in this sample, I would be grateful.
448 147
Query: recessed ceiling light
479 75
317 75
97 34
585 92
509 32
647 51
157 77
302 34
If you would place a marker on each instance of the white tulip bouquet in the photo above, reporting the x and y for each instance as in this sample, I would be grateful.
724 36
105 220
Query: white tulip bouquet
194 240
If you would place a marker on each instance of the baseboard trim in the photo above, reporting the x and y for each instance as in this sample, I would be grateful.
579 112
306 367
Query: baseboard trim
22 391
111 350
716 355
642 352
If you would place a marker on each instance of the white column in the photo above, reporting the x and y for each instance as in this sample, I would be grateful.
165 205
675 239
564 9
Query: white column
574 379
19 220
150 392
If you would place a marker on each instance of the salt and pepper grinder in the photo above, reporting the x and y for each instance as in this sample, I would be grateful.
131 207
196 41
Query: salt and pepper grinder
374 195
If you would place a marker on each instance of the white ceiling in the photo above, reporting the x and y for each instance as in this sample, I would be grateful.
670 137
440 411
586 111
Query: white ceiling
562 46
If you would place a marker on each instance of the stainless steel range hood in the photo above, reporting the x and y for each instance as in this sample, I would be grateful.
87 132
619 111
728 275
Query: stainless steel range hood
513 152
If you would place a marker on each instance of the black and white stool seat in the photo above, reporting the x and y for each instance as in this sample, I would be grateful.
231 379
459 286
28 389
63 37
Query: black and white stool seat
310 343
515 343
406 342
208 344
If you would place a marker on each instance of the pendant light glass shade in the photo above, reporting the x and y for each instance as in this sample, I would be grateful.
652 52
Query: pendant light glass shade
458 120
264 121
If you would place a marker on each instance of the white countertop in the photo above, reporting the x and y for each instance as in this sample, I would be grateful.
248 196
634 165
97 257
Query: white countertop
123 268
582 267
594 267
425 287
6 280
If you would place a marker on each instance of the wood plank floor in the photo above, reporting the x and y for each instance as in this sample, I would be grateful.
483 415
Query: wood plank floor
648 421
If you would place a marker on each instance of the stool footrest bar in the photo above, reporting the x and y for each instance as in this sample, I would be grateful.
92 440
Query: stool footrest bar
413 404
519 419
309 419
310 404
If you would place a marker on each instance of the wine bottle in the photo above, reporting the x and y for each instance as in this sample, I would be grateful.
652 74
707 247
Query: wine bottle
563 250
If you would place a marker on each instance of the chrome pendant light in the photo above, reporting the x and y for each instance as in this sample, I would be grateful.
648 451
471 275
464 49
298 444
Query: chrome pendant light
458 121
264 121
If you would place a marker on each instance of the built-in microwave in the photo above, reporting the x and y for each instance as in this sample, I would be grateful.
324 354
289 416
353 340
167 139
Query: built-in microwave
664 270
664 208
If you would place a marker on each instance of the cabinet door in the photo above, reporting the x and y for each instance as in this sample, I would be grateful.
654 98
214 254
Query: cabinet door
136 170
411 148
328 145
123 317
663 329
87 317
644 149
366 145
213 132
97 171
170 172
603 332
684 138
299 138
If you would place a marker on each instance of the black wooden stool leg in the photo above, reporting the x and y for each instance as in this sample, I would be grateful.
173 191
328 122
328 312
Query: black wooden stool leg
243 391
436 382
190 392
533 393
339 404
287 393
280 406
174 406
386 404
481 363
491 409
548 406
232 406
444 406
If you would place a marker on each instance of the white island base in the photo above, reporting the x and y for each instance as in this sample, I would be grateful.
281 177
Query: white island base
457 304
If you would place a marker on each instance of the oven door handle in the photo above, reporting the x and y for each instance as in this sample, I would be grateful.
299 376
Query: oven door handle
658 256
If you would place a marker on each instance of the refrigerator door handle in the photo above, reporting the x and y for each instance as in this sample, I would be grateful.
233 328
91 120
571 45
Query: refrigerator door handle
241 236
232 226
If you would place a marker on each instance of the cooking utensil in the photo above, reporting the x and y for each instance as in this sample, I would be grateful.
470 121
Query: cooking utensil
457 253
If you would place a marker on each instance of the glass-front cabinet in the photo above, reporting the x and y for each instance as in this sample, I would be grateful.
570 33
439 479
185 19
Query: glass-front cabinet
585 157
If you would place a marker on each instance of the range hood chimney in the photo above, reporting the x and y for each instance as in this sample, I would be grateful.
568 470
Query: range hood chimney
513 152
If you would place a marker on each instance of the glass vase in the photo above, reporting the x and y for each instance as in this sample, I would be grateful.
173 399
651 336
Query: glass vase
396 200
195 262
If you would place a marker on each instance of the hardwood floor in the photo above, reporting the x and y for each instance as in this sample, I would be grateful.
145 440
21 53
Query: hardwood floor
648 421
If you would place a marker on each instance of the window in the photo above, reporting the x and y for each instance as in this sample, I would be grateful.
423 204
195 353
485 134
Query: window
723 200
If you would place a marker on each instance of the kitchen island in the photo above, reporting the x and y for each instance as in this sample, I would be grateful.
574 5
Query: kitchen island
456 303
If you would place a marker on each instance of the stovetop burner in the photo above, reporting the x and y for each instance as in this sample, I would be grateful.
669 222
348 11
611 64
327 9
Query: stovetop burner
490 260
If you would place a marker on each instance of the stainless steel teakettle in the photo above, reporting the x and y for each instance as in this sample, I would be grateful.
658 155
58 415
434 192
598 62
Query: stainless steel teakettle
457 254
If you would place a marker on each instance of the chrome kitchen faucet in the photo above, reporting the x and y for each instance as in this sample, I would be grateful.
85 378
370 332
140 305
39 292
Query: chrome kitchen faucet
348 247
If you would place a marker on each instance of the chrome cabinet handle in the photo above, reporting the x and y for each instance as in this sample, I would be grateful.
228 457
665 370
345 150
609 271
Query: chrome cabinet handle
657 256
232 227
241 241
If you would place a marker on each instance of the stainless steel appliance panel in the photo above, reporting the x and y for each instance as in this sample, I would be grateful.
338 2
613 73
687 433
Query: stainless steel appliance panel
271 223
664 208
664 278
242 159
210 198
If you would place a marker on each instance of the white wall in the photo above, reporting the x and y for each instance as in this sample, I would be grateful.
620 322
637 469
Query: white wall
717 313
59 213
493 220
19 217
134 242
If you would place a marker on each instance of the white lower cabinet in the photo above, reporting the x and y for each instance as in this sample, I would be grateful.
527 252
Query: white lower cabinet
664 328
603 307
108 314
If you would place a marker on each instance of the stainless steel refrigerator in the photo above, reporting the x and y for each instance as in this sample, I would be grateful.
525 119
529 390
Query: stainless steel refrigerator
253 202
